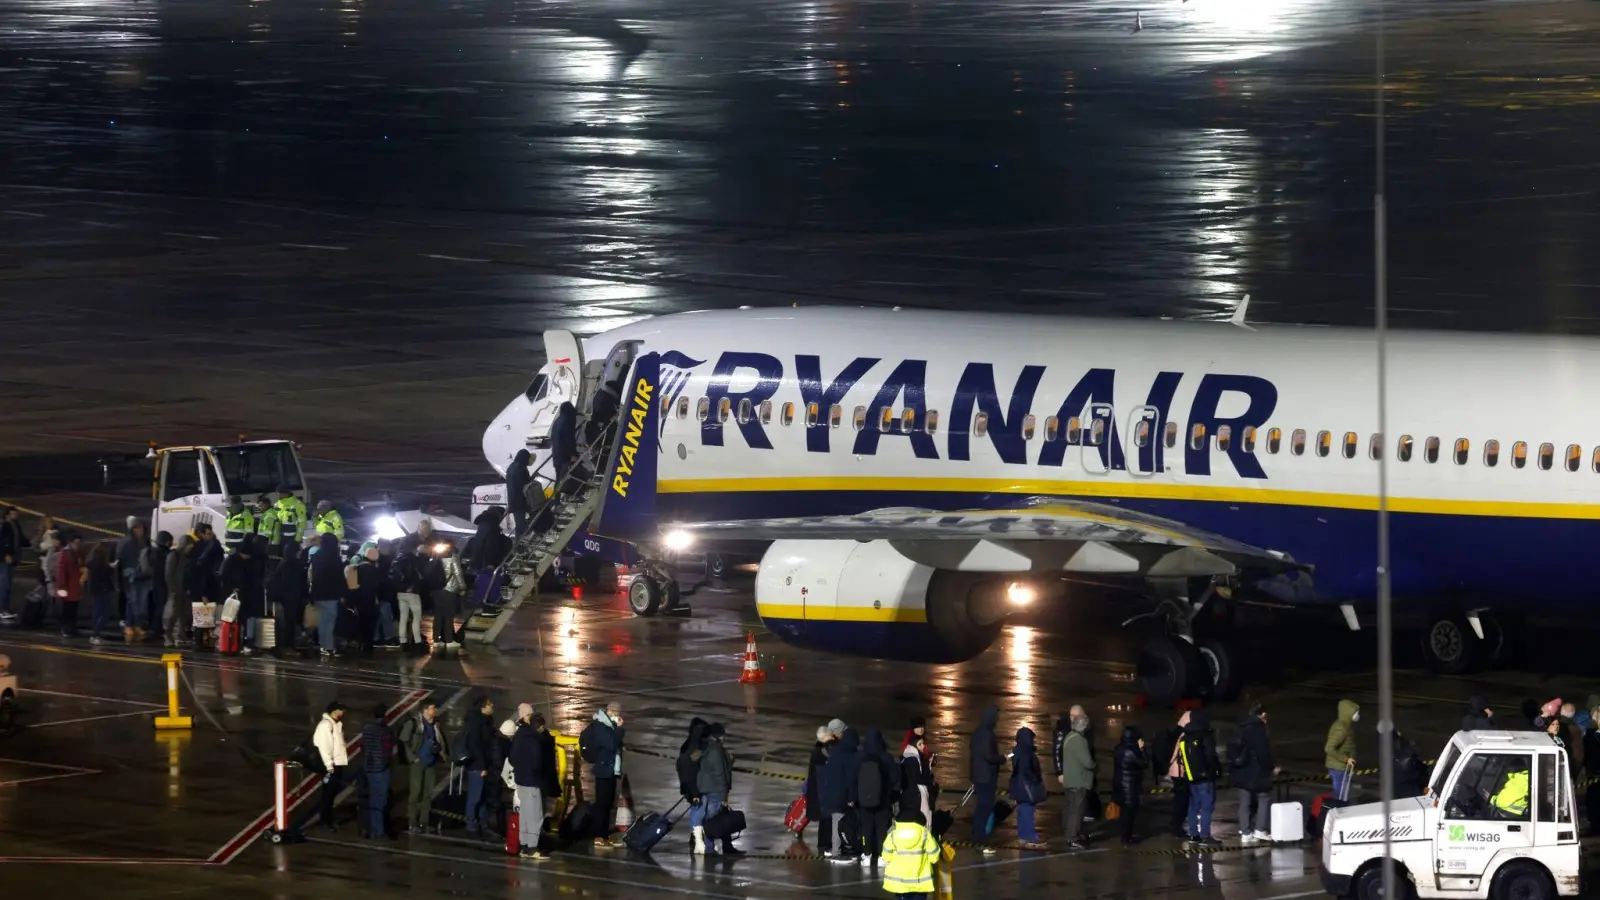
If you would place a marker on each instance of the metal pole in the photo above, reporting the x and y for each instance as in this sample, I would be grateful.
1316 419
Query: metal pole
1385 622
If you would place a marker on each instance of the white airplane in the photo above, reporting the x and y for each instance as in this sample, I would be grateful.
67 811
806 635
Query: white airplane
921 474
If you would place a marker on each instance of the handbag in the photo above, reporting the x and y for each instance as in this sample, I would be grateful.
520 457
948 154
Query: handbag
310 617
1113 811
203 615
230 608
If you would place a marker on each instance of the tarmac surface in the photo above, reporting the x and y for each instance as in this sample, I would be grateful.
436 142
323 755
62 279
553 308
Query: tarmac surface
89 791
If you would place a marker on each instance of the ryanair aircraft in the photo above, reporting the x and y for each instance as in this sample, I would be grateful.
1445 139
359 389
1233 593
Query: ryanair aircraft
917 475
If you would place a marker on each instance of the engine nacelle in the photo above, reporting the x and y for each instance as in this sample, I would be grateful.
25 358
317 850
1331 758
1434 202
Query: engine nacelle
866 598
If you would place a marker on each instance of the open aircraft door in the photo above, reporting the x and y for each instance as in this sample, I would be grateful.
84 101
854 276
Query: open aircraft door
560 381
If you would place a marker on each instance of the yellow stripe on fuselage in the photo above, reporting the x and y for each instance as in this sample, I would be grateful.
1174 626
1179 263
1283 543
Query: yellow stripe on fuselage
1136 490
819 613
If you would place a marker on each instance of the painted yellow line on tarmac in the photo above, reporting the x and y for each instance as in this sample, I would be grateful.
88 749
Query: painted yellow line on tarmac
59 520
92 654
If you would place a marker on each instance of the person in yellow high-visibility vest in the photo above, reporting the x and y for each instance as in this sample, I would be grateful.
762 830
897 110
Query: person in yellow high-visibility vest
268 525
327 520
241 522
909 852
291 515
1511 801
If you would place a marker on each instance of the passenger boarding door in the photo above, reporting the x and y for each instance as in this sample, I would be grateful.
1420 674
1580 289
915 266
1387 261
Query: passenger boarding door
1487 811
1099 432
180 491
1143 450
560 381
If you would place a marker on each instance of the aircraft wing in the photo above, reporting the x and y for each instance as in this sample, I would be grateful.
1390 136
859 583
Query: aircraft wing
1039 535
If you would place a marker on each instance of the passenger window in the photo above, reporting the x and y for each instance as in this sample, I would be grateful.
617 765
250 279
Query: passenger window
835 416
1574 457
812 415
724 408
1491 787
1553 787
1141 433
766 412
1547 456
1027 428
1197 436
1324 442
683 407
744 411
1052 429
1249 436
1350 445
1375 447
1097 432
1430 450
1491 453
703 409
933 420
1594 462
1074 430
908 420
980 424
1462 450
1519 454
886 420
1172 434
1274 440
1403 452
1224 437
859 420
1297 442
788 414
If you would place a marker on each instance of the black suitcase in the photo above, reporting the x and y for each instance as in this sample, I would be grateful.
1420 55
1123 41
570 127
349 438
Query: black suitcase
33 609
580 823
648 830
727 823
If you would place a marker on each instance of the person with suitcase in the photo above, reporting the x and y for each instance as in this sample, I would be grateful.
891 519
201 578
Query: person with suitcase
690 753
1339 749
1251 764
527 765
715 782
600 744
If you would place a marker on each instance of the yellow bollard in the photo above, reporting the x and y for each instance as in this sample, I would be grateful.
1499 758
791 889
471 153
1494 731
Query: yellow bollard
172 720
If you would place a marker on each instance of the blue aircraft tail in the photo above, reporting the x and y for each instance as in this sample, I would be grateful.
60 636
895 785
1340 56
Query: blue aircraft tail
627 511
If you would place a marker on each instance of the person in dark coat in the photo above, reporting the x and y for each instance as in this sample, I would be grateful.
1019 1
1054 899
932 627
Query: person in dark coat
1530 715
838 795
207 585
1410 774
479 749
715 783
241 574
1479 716
564 441
690 753
1197 757
489 545
916 779
875 814
984 769
517 479
527 766
156 621
1026 788
361 601
1128 762
1253 769
814 769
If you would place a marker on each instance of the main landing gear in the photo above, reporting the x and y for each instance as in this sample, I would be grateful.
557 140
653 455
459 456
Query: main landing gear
1183 664
1452 646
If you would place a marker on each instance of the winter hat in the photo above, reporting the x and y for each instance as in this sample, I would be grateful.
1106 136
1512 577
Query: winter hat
524 710
918 722
836 727
823 734
132 521
1552 709
508 728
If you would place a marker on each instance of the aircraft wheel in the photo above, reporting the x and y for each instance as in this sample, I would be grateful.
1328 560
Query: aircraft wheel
1169 670
1449 645
671 594
644 595
1219 676
716 565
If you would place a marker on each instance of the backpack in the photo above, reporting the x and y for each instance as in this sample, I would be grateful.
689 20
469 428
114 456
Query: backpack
1058 741
869 784
586 744
306 754
1238 751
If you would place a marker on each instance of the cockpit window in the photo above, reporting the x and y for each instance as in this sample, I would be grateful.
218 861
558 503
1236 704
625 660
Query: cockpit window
537 388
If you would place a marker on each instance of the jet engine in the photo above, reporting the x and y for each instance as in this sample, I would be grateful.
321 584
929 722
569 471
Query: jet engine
868 599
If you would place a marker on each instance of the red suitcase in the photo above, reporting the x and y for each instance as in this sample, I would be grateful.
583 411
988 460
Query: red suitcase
513 832
227 637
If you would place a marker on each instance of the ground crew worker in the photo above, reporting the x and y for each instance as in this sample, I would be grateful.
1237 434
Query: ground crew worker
291 515
909 853
241 523
1511 801
327 520
267 525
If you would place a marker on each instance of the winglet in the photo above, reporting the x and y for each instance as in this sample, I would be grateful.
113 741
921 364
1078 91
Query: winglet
1239 313
627 511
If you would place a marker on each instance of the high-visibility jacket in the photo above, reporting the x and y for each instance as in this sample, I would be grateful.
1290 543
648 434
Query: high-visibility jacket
909 853
1512 798
291 517
239 524
269 526
330 522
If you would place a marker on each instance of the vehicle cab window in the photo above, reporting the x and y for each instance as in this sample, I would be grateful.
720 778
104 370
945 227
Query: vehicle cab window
183 475
1492 787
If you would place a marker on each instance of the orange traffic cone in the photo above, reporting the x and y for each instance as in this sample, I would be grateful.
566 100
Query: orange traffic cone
752 673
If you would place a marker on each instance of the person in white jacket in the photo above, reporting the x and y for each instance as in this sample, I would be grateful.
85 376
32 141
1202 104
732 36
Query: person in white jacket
330 744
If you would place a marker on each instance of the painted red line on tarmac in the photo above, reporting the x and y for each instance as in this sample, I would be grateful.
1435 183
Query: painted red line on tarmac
261 823
104 860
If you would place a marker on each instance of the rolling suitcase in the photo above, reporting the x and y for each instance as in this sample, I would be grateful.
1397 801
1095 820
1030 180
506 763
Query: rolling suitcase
648 830
266 634
1288 821
513 833
1325 802
227 637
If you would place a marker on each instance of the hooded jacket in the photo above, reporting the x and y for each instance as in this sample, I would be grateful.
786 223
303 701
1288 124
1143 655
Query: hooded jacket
517 478
875 752
985 758
204 584
1341 743
479 745
839 774
1128 763
489 545
1198 750
608 736
1475 720
814 767
239 575
689 755
716 769
1027 780
1252 769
